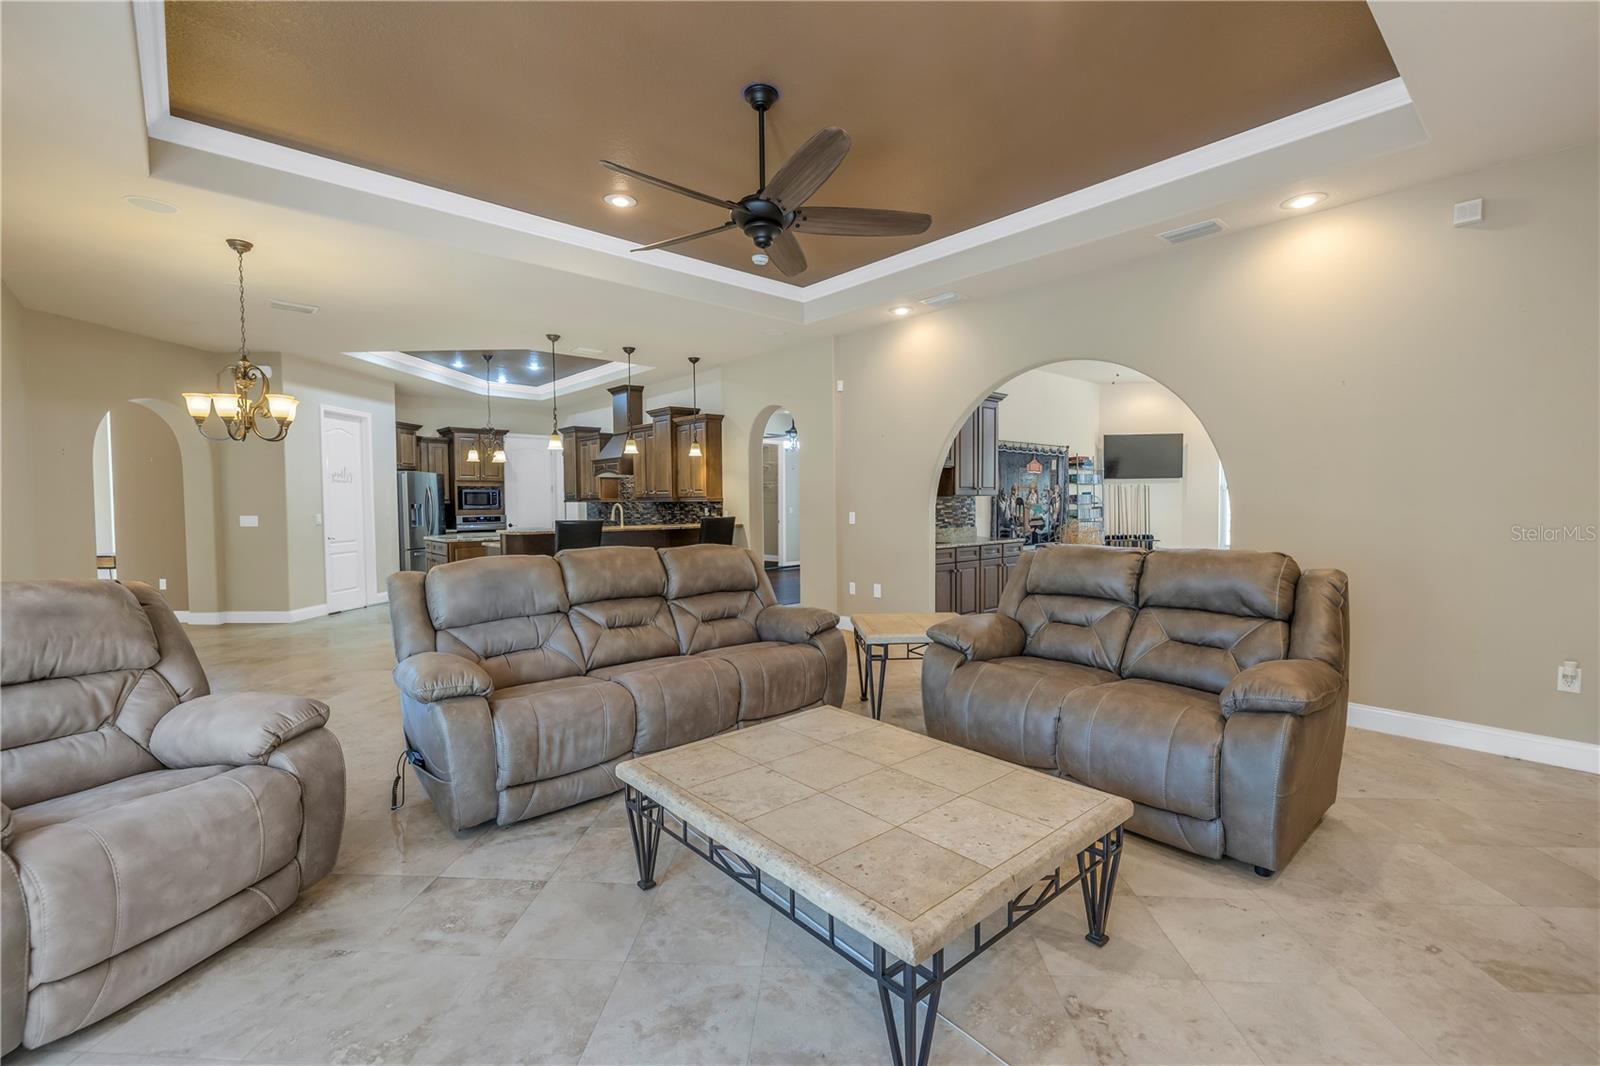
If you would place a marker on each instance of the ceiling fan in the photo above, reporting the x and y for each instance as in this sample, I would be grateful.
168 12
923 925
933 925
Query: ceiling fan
776 211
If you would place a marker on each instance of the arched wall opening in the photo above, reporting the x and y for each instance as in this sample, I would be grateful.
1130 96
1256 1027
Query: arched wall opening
140 500
1081 451
772 526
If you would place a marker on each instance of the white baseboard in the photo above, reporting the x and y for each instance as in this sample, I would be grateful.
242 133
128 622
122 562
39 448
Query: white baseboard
382 597
1551 751
222 618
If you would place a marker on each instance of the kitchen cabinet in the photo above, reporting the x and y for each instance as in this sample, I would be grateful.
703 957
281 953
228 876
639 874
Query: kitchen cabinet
405 445
433 456
972 466
969 578
698 477
579 447
465 471
663 455
643 475
453 551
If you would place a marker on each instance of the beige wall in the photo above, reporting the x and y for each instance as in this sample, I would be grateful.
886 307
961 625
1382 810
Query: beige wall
1183 512
318 384
147 502
1044 407
1390 395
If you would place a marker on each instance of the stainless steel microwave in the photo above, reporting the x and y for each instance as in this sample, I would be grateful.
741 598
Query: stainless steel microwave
477 499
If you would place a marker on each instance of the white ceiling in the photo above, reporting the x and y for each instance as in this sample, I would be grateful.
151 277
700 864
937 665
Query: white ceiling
397 269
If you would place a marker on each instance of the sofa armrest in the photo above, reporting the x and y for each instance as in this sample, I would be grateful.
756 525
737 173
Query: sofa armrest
1286 686
431 676
232 729
980 636
5 826
793 625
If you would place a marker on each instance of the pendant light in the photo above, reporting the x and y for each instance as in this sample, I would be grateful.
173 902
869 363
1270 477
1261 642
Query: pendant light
243 409
555 435
694 401
630 446
488 442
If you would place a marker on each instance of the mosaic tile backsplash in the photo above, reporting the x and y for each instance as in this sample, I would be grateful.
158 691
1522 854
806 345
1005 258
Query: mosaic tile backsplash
648 512
956 512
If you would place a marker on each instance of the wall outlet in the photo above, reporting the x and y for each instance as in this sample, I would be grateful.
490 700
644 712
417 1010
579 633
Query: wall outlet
161 583
852 588
877 591
316 519
248 521
1569 677
839 385
852 518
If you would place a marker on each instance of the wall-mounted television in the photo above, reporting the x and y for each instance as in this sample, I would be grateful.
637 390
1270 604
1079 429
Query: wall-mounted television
1143 456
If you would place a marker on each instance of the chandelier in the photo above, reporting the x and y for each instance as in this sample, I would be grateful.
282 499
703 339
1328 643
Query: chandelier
555 434
244 410
488 442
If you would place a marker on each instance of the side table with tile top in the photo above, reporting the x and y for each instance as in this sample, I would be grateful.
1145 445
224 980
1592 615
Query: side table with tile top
876 634
906 855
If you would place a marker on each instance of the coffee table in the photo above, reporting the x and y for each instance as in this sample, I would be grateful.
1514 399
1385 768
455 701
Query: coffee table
905 855
876 634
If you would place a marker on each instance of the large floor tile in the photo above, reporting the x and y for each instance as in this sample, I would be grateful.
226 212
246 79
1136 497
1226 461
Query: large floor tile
527 851
575 920
1376 940
673 1013
606 855
1143 1020
1529 876
459 916
1490 1026
701 921
1524 950
1138 947
1149 869
1314 1022
413 840
342 911
1237 940
520 1010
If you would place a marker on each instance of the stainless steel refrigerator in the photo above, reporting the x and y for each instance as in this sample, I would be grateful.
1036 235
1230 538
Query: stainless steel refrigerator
421 497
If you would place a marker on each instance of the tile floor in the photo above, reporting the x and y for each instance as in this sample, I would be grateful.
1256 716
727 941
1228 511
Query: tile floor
1448 910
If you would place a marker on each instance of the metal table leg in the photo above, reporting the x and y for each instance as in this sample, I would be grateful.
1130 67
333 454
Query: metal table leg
861 672
644 825
883 672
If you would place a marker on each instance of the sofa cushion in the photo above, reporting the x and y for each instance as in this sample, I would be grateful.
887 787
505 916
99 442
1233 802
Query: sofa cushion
1153 743
629 630
114 876
1009 707
715 592
1200 649
774 677
64 629
1252 584
550 728
77 804
508 615
1076 603
677 698
614 572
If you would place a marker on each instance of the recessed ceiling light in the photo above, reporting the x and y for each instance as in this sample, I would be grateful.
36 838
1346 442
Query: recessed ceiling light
1303 201
901 311
502 377
620 199
458 363
151 204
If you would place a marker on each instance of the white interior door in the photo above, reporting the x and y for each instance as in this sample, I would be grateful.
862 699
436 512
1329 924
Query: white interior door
533 488
344 493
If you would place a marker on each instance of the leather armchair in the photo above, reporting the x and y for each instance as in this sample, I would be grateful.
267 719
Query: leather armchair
146 822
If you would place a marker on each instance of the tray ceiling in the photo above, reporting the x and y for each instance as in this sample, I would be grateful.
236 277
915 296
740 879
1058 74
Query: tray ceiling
968 111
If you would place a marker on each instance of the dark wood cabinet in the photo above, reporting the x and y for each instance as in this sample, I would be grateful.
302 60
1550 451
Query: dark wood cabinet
972 467
662 455
697 477
643 473
969 578
579 446
461 440
433 456
405 445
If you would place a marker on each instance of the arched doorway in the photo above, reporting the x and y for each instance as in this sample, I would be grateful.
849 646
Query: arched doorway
773 525
139 502
1077 451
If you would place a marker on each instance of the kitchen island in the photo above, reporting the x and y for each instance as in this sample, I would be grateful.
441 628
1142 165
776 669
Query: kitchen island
453 547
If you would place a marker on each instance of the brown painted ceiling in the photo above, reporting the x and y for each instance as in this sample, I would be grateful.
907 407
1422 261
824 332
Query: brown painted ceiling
512 366
967 111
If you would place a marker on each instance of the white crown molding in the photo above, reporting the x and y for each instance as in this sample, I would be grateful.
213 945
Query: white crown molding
1551 751
406 363
1366 123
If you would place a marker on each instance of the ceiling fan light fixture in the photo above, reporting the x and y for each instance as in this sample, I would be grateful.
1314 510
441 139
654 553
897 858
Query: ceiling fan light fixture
620 199
760 259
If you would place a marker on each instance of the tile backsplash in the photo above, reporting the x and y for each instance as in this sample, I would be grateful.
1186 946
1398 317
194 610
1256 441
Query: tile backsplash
955 512
647 512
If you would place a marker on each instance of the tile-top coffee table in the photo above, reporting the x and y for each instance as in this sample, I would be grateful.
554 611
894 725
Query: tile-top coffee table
906 855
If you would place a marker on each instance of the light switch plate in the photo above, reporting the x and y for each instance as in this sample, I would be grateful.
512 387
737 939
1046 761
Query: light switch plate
249 520
852 518
877 591
161 584
852 588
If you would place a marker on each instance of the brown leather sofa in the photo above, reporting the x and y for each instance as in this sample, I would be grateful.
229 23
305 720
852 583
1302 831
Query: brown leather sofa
1208 687
147 824
525 679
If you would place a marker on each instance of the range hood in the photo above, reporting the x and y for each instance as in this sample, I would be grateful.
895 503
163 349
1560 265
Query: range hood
627 411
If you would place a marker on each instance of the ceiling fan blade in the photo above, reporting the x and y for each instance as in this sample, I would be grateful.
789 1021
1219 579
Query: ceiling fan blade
808 168
786 254
686 237
662 183
860 222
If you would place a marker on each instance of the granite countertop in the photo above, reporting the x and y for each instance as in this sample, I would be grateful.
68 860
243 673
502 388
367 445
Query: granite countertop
446 538
608 528
951 538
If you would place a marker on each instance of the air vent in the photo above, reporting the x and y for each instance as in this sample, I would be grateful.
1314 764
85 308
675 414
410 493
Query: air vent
1189 233
588 351
942 299
290 305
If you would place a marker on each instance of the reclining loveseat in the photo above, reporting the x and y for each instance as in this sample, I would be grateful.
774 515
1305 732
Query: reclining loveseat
525 679
1208 687
146 823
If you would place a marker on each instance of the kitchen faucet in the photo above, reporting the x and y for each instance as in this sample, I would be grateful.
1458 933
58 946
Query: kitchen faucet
618 515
